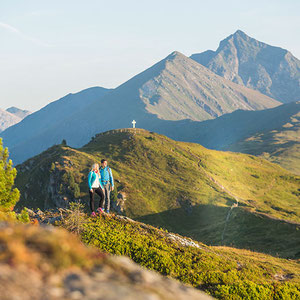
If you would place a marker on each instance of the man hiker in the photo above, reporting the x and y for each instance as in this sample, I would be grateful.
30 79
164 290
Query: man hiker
107 182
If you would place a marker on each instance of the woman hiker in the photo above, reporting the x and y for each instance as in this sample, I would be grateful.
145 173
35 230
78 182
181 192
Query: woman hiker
95 186
107 182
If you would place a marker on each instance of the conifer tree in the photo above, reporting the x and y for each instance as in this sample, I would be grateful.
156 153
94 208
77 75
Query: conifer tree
9 196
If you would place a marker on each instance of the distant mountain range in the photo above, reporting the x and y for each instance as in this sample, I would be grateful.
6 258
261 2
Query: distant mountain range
31 136
175 88
271 70
11 116
185 100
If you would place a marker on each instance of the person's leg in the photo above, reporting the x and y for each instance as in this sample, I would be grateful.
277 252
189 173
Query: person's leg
92 205
104 205
102 196
107 192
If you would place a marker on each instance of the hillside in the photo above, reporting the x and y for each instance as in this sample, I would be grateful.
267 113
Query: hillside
49 263
271 133
280 145
46 262
223 272
271 70
183 187
175 88
184 90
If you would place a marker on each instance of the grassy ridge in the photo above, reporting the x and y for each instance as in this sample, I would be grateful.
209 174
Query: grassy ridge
183 187
148 159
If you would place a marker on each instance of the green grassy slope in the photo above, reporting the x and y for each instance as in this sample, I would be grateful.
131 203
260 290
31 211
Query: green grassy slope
50 263
223 272
183 187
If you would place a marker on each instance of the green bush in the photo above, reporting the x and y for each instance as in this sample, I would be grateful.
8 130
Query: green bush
23 216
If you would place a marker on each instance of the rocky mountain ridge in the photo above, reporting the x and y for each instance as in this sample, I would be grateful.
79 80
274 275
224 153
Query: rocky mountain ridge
271 70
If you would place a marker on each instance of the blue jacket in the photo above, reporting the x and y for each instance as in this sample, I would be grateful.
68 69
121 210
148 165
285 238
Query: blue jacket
106 176
92 177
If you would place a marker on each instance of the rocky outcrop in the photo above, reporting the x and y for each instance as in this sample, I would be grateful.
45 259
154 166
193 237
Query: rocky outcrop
119 204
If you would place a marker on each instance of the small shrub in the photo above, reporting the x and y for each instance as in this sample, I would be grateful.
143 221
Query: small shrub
75 219
23 216
52 167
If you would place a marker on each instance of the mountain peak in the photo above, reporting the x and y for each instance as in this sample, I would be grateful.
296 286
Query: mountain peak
175 54
246 61
14 109
18 112
7 119
240 33
236 37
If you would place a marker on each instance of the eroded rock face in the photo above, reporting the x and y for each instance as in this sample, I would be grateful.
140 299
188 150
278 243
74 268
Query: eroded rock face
99 277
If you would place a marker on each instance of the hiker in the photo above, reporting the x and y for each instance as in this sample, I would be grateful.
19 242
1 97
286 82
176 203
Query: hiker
107 182
95 186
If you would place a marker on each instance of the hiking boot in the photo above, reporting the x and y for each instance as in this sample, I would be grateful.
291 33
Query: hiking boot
100 210
107 211
93 214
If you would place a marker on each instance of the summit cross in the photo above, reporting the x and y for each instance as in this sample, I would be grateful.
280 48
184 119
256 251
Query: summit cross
133 123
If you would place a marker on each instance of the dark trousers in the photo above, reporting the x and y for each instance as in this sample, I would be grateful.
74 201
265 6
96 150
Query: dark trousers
100 193
107 195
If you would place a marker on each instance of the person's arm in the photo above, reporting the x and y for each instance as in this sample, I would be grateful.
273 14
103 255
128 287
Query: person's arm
100 181
111 179
90 180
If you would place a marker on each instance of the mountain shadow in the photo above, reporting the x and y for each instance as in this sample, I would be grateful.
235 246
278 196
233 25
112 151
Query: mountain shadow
253 231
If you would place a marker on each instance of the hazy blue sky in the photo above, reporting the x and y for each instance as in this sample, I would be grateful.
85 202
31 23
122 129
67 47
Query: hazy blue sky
51 48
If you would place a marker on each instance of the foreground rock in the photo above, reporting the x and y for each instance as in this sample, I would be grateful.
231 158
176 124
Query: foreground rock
48 263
